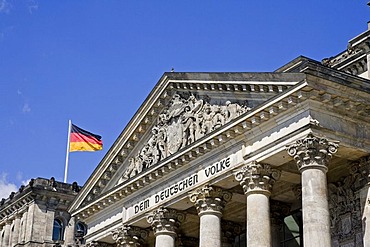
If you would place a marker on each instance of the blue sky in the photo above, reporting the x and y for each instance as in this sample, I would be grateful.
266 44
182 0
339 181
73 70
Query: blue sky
95 62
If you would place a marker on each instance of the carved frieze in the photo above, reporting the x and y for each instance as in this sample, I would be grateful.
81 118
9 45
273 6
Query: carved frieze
183 122
312 152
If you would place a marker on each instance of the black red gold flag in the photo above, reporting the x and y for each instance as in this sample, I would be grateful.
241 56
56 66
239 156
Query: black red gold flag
82 140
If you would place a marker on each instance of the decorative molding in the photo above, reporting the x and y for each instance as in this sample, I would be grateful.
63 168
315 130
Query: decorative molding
257 178
165 221
130 236
312 152
210 199
183 122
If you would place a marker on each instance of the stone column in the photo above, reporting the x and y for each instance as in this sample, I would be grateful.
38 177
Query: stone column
257 180
165 223
15 233
312 155
366 216
210 202
129 236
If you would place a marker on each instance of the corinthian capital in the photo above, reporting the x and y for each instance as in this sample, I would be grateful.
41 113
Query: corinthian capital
127 236
257 178
210 199
165 220
312 152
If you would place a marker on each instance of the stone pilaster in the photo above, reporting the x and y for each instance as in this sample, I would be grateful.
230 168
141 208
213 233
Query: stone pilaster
69 232
165 223
129 236
210 202
6 238
312 155
15 233
257 180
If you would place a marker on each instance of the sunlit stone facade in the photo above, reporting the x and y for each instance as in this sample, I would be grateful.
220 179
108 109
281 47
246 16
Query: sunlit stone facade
240 159
37 215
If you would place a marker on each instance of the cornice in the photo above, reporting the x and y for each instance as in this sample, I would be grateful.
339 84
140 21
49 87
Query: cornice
16 207
156 101
302 91
206 144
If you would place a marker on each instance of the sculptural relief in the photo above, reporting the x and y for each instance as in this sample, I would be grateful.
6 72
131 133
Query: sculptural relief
183 122
345 206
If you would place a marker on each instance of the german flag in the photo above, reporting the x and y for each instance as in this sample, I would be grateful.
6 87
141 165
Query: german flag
82 140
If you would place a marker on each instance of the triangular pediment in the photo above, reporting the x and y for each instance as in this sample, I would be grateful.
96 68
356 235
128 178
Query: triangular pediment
182 109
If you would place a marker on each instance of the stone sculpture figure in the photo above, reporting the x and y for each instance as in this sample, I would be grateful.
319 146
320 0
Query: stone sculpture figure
182 123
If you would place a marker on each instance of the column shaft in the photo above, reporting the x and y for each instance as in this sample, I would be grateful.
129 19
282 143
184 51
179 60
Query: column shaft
258 220
210 230
315 208
257 180
366 216
210 202
165 240
165 223
312 155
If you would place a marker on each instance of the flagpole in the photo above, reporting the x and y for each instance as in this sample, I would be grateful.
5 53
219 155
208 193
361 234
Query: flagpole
67 154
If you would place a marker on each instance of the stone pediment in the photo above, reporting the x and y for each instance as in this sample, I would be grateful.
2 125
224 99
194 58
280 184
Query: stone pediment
182 109
185 119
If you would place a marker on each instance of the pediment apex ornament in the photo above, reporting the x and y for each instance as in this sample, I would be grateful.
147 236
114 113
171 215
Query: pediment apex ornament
312 152
182 122
256 177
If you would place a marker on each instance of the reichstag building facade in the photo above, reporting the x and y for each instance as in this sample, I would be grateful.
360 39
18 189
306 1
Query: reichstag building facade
240 159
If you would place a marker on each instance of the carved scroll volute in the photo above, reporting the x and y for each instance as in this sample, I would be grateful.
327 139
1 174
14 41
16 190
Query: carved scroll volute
257 177
210 199
312 151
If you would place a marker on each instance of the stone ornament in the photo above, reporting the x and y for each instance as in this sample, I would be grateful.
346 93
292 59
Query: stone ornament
312 152
345 202
230 230
183 122
165 220
257 177
129 236
210 199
